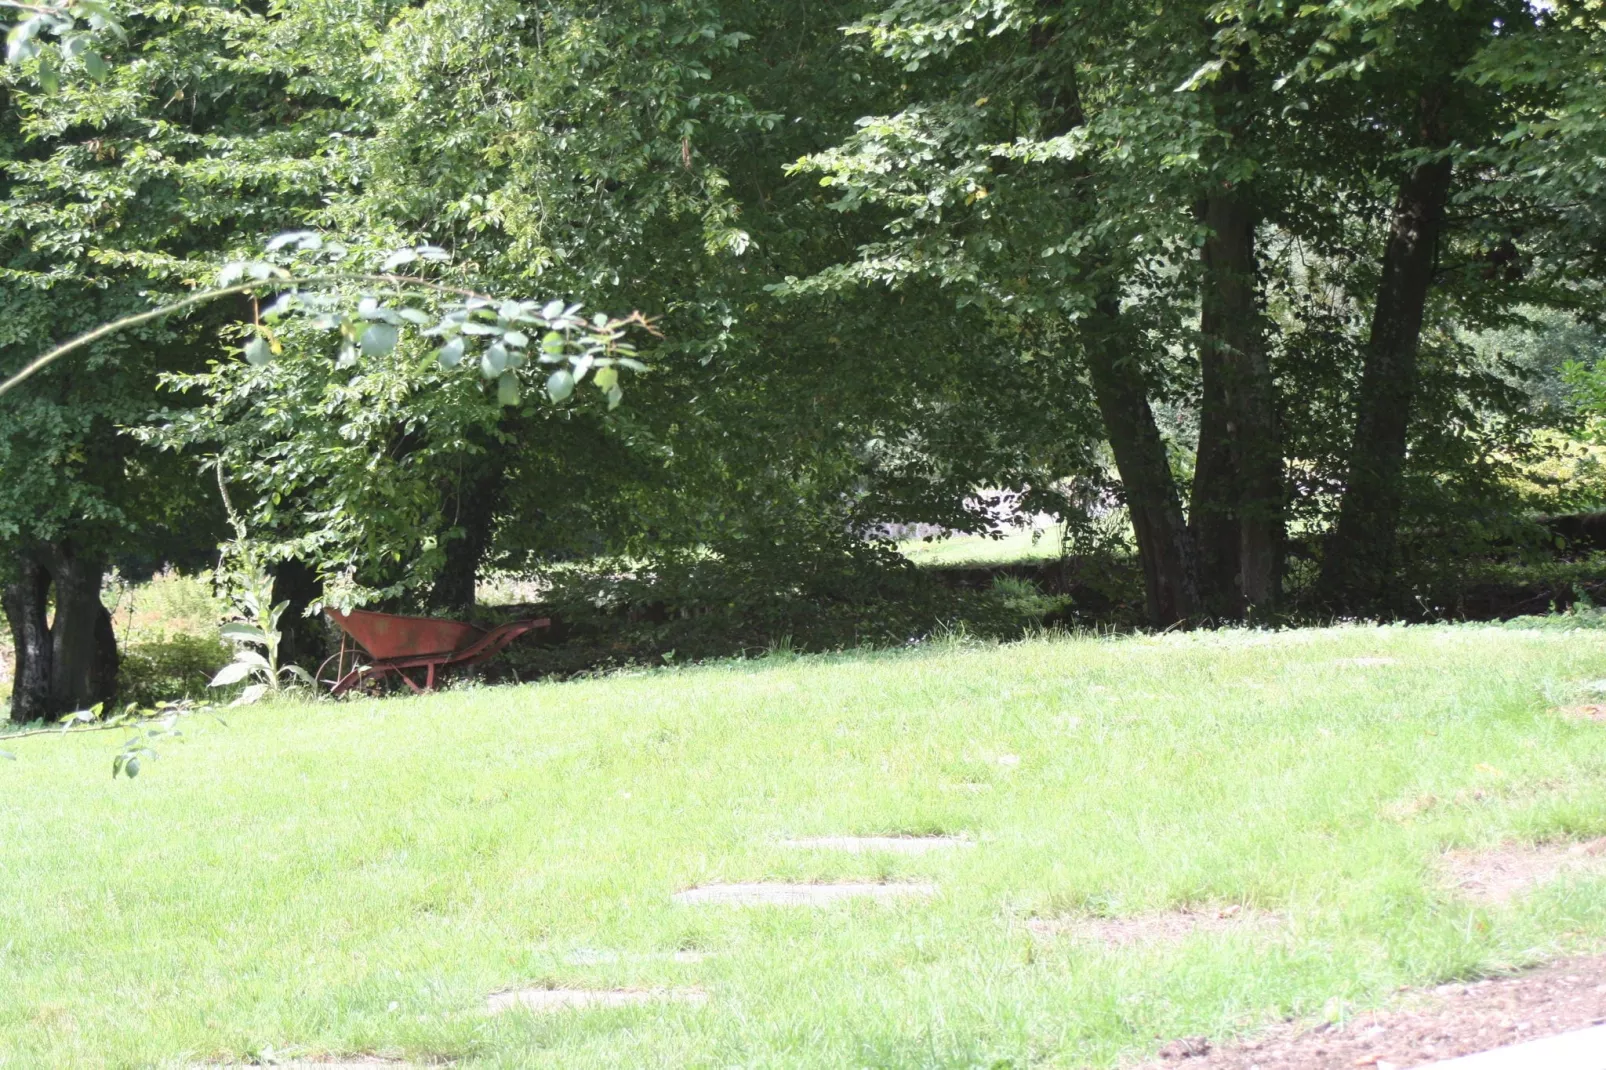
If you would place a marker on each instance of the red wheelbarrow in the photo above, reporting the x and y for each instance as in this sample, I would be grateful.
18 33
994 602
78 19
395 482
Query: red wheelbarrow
376 645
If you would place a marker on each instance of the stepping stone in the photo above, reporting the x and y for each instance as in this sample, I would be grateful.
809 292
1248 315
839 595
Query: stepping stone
902 845
551 1000
801 895
373 1062
586 956
1583 1049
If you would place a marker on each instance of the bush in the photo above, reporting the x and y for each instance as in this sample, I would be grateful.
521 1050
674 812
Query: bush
170 603
168 669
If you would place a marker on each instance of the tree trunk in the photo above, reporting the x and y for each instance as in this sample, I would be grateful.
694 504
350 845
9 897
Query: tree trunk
1212 511
1165 546
1120 390
1360 558
83 645
1236 511
302 639
1237 507
26 601
478 496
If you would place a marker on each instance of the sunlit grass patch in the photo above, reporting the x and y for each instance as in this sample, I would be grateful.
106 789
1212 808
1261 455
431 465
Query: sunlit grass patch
364 876
960 550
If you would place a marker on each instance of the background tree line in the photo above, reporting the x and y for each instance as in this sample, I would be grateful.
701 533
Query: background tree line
1290 287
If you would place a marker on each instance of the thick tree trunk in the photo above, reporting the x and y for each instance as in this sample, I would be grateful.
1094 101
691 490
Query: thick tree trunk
1120 390
1212 510
477 498
26 601
302 639
83 652
1237 506
1165 546
1360 557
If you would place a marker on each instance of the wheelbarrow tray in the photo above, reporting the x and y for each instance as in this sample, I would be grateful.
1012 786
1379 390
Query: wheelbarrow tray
397 642
388 635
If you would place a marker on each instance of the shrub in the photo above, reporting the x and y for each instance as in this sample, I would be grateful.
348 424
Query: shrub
164 670
169 603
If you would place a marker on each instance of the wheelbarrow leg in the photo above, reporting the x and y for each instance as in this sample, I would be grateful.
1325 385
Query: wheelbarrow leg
429 678
408 680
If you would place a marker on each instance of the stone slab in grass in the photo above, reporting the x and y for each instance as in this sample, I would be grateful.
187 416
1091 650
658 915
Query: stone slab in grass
902 845
591 956
349 1062
801 895
552 1000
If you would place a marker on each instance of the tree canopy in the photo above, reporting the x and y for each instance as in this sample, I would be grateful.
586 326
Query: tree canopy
1227 269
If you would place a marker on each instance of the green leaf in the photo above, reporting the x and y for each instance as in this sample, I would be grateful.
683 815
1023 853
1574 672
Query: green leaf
493 361
560 384
258 352
400 257
289 237
232 673
130 767
606 378
285 302
239 629
82 716
19 41
451 354
379 339
94 65
507 390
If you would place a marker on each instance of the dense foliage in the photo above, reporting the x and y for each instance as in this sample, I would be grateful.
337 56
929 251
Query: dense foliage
1306 293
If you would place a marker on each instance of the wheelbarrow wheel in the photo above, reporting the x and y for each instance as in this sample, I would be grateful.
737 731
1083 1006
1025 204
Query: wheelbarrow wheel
340 666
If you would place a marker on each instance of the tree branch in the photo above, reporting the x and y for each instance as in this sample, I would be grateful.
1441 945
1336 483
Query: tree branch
44 360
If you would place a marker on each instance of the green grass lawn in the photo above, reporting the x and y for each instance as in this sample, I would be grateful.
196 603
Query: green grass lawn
358 877
955 551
